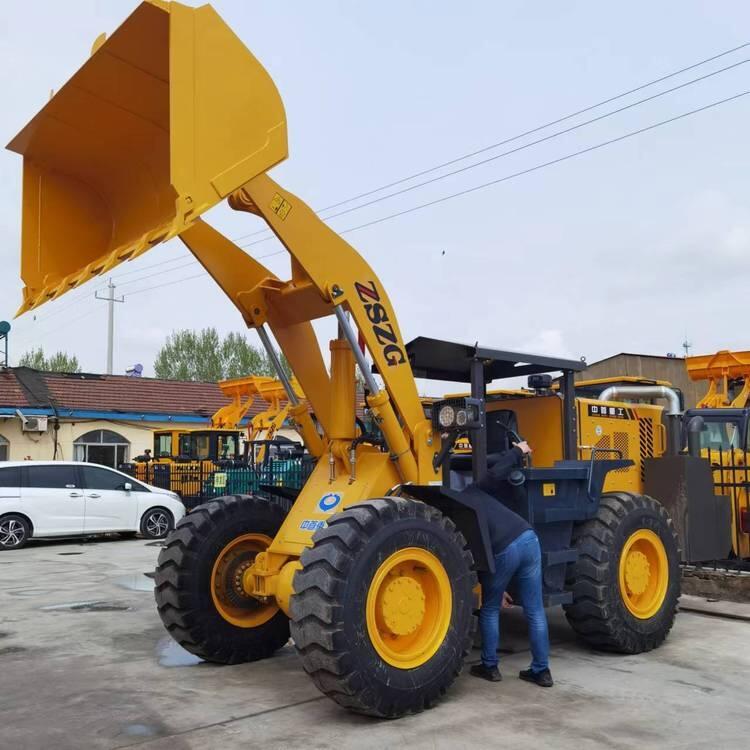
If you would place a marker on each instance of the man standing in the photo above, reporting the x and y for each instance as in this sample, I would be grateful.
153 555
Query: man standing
518 555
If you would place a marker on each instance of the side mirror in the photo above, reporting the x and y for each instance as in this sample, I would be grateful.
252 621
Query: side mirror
127 486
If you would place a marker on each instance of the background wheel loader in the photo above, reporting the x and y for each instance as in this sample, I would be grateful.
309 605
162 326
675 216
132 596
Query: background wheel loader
373 568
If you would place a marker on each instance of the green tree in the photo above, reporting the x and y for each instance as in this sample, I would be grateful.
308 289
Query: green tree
205 356
58 362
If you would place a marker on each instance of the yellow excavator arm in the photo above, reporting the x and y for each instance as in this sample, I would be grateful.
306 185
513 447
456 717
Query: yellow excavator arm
169 116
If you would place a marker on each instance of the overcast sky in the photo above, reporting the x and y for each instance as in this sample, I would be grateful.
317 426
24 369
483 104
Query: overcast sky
630 247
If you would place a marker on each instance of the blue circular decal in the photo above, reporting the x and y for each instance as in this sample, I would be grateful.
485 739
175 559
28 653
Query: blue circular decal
329 502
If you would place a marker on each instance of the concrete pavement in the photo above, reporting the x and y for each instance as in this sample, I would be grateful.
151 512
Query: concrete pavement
85 663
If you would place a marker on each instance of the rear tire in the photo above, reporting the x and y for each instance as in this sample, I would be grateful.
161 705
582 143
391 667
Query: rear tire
626 581
196 579
382 614
15 531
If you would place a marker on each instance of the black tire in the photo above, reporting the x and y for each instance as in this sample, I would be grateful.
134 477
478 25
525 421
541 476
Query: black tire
328 608
15 531
156 523
183 581
598 613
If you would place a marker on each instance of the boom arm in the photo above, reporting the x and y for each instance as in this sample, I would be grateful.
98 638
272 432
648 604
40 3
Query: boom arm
169 116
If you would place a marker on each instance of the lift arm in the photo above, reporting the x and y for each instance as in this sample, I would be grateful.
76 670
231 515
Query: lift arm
168 117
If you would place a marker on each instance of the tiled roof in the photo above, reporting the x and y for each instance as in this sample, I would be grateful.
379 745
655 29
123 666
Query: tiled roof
11 393
23 387
113 393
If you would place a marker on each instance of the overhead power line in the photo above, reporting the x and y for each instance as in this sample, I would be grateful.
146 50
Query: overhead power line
549 137
550 163
531 131
518 136
506 178
476 152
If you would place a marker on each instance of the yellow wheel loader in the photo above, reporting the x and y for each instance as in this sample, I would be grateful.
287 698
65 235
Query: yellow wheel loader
372 570
719 430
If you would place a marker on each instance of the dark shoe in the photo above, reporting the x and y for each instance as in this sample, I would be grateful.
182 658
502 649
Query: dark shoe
543 678
486 673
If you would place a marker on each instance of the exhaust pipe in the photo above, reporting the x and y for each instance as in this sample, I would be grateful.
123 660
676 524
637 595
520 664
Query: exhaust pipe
672 397
694 429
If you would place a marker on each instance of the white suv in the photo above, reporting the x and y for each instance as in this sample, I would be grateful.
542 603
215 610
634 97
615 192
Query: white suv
65 498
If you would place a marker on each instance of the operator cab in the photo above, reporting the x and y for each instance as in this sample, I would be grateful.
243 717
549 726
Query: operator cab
197 445
721 430
541 414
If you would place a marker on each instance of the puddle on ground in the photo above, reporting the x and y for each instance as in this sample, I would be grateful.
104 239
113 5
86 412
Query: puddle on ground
135 582
171 654
8 650
70 553
29 592
95 606
140 730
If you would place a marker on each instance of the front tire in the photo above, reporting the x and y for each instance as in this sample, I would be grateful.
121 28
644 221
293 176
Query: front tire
198 581
382 614
626 581
156 523
15 531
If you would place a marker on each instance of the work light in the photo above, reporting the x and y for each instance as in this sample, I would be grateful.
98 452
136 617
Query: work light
455 414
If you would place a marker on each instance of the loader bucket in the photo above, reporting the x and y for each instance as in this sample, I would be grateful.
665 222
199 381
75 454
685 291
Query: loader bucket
168 116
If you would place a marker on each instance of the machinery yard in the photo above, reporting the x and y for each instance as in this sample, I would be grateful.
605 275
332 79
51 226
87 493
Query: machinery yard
330 539
91 666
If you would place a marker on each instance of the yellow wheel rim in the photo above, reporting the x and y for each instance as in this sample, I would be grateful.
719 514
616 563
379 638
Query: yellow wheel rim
231 600
644 574
409 607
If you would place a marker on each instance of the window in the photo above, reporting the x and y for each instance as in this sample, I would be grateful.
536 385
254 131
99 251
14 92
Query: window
102 447
227 446
201 446
163 445
61 476
721 435
184 444
96 478
10 477
4 448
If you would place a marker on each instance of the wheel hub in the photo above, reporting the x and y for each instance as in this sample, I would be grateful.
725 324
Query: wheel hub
228 593
643 574
637 572
403 605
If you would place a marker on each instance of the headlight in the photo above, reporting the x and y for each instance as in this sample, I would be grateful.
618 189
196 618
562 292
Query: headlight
447 416
462 418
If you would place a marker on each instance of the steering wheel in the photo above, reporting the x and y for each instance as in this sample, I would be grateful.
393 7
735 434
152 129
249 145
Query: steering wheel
516 477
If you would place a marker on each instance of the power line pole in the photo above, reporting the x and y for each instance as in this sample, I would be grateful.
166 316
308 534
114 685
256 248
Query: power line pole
111 322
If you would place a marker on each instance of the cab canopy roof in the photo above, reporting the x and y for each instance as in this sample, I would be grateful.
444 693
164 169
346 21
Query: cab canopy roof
446 360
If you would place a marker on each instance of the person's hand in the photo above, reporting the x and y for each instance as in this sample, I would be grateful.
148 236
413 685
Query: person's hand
525 447
507 600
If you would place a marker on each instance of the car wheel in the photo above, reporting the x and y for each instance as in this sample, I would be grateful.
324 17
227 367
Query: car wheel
156 523
15 531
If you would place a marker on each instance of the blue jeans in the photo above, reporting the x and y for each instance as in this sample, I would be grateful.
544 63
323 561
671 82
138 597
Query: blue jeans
522 558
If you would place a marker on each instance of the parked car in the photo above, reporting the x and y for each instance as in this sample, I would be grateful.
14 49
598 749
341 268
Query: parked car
66 498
